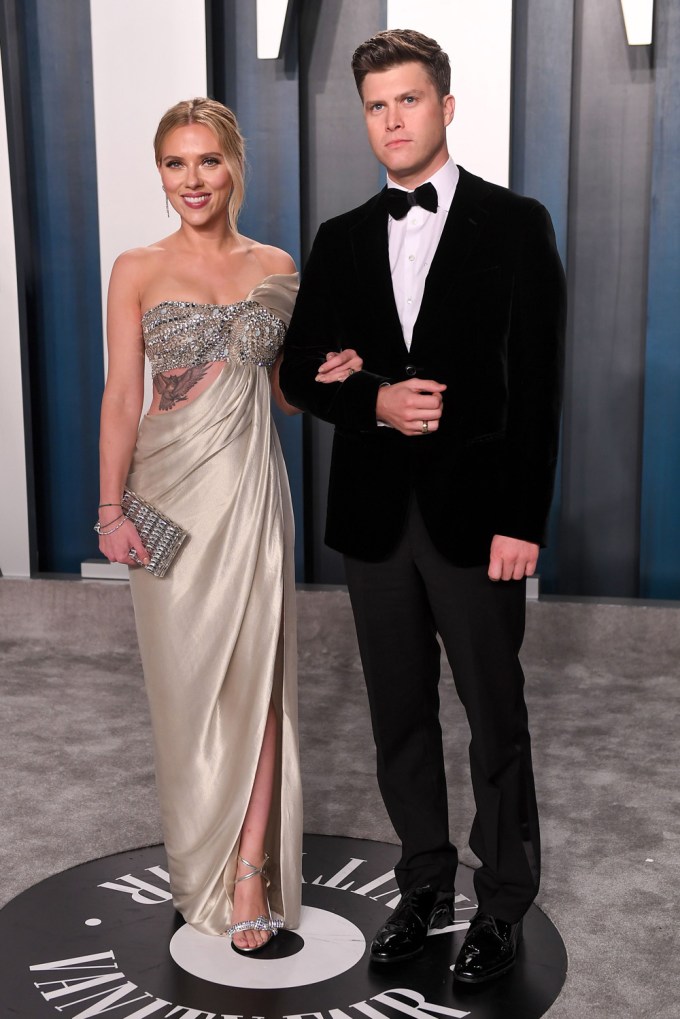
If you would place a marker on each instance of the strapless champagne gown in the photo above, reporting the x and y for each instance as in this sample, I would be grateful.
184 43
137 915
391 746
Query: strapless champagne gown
217 633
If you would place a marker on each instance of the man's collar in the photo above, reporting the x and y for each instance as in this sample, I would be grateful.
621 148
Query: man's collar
445 181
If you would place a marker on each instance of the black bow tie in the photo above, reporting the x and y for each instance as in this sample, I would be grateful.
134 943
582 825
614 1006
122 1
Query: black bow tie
399 202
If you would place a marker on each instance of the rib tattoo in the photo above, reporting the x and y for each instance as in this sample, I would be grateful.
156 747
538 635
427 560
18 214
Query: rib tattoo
173 389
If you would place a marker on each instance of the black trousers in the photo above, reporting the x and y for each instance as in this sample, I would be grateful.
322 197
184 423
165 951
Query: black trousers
399 605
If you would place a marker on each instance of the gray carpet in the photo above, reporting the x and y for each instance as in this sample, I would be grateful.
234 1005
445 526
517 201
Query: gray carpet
604 697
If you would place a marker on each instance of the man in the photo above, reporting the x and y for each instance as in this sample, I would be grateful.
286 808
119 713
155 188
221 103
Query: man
441 479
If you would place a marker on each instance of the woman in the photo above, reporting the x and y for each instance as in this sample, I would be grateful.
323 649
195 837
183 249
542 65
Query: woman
217 633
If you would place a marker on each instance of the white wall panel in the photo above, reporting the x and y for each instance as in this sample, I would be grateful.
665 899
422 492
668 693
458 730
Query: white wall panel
146 57
14 547
477 35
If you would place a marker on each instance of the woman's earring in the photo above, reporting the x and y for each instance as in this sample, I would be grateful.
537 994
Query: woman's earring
167 203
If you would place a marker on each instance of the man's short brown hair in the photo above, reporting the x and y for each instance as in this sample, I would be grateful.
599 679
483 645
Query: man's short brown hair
397 46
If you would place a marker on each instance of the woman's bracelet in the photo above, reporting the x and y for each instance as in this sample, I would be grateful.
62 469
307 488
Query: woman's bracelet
98 526
108 524
101 504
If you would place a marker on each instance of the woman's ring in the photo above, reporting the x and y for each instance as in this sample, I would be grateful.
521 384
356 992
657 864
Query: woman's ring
425 428
132 554
350 371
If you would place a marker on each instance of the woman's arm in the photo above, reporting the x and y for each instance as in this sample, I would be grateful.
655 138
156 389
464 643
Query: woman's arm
279 398
336 368
121 408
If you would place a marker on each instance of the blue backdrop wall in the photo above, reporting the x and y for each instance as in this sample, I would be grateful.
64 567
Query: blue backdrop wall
595 136
48 91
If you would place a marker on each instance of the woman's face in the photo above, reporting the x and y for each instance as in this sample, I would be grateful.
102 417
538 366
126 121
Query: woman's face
194 173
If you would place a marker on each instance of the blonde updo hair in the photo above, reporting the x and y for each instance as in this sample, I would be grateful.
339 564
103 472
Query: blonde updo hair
223 123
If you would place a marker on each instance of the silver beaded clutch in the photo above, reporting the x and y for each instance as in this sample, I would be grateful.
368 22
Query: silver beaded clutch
161 537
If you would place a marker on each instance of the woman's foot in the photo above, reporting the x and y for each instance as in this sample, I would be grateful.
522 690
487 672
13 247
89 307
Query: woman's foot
251 905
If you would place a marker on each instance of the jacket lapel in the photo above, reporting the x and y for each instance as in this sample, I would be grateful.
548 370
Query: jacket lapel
459 237
372 263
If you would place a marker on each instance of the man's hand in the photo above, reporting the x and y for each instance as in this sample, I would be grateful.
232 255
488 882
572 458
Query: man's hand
338 366
413 407
511 559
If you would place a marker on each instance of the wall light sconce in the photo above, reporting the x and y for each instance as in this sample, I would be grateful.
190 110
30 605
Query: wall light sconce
271 20
638 16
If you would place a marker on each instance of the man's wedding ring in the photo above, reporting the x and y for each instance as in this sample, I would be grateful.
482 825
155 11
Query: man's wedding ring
350 371
425 427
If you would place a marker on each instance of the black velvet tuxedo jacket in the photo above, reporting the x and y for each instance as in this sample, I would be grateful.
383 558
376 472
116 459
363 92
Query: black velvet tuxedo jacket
491 327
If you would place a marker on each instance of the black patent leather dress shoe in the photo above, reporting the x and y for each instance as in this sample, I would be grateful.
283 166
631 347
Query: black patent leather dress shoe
403 934
489 949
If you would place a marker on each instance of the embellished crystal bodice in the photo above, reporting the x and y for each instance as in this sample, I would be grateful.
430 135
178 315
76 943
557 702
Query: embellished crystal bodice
184 334
179 334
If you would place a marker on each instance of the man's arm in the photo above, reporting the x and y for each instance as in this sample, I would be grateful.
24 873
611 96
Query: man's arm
535 367
316 328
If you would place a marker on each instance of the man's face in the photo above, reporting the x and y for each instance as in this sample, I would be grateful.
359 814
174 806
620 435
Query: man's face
406 121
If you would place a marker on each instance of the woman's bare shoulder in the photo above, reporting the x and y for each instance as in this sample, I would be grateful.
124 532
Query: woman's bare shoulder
137 265
142 257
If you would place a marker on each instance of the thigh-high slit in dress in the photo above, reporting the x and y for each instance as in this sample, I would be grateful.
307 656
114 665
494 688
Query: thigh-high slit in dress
217 632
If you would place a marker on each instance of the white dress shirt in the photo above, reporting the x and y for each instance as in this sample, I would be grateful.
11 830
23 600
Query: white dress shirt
413 241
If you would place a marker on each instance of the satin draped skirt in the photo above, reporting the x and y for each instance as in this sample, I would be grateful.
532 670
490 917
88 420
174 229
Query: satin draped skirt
218 642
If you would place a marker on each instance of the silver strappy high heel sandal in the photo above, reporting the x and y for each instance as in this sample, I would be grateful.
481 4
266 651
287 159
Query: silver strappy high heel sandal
261 923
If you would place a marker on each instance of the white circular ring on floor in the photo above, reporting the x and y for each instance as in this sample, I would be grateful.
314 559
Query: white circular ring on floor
332 945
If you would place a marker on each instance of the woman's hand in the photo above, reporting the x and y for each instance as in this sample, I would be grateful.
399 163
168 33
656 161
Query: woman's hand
339 366
118 544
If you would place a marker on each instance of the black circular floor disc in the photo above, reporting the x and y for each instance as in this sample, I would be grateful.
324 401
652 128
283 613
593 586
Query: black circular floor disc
103 939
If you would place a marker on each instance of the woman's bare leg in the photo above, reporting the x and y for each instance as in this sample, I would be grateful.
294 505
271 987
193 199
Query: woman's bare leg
250 898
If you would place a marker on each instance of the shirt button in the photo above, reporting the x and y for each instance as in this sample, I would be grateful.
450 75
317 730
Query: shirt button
410 369
409 300
411 258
